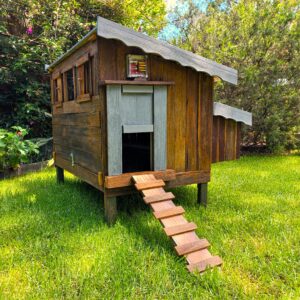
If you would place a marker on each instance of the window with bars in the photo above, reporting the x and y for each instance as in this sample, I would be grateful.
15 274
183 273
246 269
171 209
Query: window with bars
57 89
75 83
69 85
84 78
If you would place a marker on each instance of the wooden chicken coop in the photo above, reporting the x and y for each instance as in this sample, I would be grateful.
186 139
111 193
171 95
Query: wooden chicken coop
134 113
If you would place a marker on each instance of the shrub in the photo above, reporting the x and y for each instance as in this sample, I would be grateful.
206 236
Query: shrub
14 149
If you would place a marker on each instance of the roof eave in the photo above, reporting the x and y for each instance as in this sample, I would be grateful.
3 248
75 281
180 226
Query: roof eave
233 113
111 30
150 45
79 44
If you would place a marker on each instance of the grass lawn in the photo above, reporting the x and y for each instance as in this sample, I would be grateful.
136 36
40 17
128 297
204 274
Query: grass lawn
55 244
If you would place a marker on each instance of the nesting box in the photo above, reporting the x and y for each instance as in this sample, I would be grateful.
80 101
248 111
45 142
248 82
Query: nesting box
124 103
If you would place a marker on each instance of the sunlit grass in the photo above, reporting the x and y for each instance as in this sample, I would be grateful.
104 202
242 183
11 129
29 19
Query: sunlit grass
54 243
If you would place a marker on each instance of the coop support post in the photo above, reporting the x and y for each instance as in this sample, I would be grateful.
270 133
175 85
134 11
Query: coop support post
59 175
110 209
202 194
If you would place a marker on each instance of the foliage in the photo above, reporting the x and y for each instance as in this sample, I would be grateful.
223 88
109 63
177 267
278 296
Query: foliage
36 32
54 243
261 39
14 150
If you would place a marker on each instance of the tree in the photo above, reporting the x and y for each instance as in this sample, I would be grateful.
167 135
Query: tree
36 32
261 40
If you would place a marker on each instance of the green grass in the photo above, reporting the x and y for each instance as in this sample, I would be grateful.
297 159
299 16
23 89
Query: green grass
54 243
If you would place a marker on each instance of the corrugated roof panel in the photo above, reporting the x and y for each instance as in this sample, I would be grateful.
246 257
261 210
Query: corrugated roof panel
111 30
229 112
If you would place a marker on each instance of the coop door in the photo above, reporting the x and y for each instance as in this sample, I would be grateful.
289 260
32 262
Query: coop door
136 119
137 152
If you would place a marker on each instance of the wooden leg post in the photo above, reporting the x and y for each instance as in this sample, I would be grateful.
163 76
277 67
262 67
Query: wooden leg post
202 194
110 209
59 175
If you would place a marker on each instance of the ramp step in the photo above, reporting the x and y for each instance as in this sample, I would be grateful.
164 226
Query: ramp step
159 197
149 184
191 247
174 211
181 231
206 263
173 230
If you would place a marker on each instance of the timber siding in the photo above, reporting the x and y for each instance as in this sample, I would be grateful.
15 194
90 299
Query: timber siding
226 139
189 104
194 137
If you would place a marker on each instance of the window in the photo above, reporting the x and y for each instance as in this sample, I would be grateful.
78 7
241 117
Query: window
57 89
84 86
86 70
76 82
69 78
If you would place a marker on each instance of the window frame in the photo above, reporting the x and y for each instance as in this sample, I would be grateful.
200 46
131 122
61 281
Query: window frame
80 77
83 81
65 87
57 88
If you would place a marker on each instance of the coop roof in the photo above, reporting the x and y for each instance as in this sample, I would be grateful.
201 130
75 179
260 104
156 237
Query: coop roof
229 112
111 30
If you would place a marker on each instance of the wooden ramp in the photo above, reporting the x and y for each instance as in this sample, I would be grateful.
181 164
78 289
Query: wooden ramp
181 231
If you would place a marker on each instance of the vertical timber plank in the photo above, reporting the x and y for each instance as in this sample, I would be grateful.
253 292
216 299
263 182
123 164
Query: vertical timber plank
230 140
218 140
238 140
221 139
180 118
215 139
114 130
205 120
234 139
191 148
171 121
160 122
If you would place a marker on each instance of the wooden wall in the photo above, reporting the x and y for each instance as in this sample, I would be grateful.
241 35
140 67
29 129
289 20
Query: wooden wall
189 107
81 127
226 139
77 126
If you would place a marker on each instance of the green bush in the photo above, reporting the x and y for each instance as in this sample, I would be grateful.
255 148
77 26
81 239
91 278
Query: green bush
260 39
14 149
35 33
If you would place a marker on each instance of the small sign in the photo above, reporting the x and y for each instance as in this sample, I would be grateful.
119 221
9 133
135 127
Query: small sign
137 66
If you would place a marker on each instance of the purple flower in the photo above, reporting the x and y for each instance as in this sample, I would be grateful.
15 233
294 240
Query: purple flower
29 30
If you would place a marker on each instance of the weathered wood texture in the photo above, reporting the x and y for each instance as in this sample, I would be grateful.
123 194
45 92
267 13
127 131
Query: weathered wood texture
80 128
135 106
126 178
79 135
226 139
135 82
79 171
189 104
